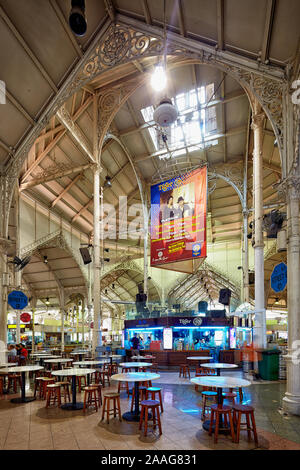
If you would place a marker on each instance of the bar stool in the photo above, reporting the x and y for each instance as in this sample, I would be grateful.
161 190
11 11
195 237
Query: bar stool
38 386
154 367
229 396
153 405
217 411
126 369
184 370
142 395
153 391
14 380
53 394
65 389
248 411
104 377
79 383
123 386
90 397
116 405
45 382
206 395
113 369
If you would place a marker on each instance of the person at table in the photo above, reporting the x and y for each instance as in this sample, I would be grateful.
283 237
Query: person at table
12 353
148 342
23 354
135 342
141 345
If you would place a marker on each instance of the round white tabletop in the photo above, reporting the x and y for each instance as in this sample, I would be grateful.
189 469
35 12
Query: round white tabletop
142 357
198 358
59 360
135 377
220 382
219 365
23 370
90 363
135 364
8 370
75 353
8 364
46 356
74 372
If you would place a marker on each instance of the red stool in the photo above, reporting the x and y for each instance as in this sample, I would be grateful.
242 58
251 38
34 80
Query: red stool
153 405
142 393
153 391
90 397
123 386
65 386
248 411
46 381
218 411
229 396
53 394
207 394
79 383
14 380
184 370
116 405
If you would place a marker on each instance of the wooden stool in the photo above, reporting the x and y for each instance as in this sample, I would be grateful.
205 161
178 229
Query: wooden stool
217 411
185 371
78 380
104 376
229 396
46 381
123 386
38 386
153 391
207 394
154 367
126 369
90 397
113 369
142 393
248 411
153 405
65 388
106 405
53 394
14 380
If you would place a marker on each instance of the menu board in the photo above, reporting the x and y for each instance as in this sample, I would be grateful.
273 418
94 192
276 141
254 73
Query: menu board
168 338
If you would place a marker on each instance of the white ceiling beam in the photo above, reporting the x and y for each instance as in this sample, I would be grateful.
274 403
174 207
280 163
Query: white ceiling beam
181 18
20 108
220 23
61 195
146 12
32 56
270 10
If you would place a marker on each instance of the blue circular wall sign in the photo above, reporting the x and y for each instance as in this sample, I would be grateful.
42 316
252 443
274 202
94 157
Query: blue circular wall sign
279 277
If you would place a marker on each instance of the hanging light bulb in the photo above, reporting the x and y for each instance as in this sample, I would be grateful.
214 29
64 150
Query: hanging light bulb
159 78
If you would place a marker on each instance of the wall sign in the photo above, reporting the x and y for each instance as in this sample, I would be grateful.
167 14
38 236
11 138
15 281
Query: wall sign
25 317
17 300
279 277
168 338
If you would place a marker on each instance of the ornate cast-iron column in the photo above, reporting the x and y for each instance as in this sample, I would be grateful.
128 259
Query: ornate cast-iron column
259 333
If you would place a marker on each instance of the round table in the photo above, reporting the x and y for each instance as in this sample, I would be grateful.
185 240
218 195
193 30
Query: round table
79 354
74 372
90 364
219 366
219 383
58 361
199 358
42 357
142 357
136 365
135 377
23 370
8 364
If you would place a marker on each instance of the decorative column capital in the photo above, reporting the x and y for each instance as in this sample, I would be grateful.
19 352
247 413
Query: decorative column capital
257 121
289 188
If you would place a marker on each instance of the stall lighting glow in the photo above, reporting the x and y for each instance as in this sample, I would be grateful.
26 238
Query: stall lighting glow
159 78
146 329
199 327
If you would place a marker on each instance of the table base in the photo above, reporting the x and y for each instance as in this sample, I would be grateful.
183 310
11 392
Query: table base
71 406
131 416
22 400
206 426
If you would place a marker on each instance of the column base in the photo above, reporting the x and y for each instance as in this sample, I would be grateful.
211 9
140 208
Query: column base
291 404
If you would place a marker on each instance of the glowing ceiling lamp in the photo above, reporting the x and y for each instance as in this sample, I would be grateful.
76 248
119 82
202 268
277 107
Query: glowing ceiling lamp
159 78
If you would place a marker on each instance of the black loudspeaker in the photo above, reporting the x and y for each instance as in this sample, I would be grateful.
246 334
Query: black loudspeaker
85 254
224 296
202 307
251 279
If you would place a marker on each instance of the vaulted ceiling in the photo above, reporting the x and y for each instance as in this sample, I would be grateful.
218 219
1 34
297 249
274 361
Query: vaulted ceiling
40 53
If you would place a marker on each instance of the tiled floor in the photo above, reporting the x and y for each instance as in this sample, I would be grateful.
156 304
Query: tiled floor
32 426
